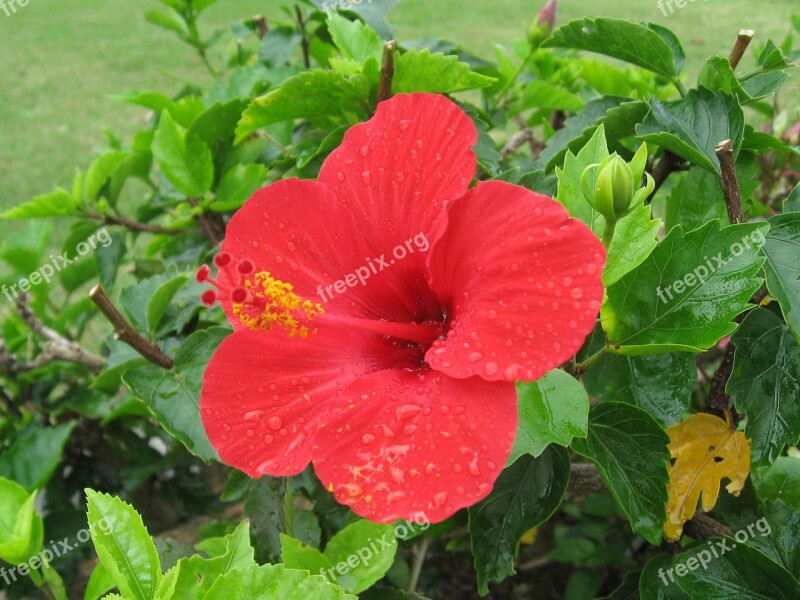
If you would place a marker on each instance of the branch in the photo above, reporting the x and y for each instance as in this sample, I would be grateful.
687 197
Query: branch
57 347
209 227
516 142
125 332
730 184
387 71
302 24
742 42
668 164
135 225
261 26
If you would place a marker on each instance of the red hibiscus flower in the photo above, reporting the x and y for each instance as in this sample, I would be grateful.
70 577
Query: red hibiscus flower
384 312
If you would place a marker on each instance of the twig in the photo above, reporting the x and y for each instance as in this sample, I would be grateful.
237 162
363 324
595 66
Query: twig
125 332
57 347
419 559
387 71
209 227
668 164
261 26
742 42
730 184
516 142
135 225
5 400
702 527
304 40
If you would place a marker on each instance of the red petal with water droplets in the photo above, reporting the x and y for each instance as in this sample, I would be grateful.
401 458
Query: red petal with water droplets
264 396
521 281
398 171
406 443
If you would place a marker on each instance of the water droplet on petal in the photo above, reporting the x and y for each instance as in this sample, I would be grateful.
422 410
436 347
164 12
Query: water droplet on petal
491 314
367 438
366 177
491 368
576 293
406 411
340 176
364 150
439 499
274 423
474 356
473 468
404 124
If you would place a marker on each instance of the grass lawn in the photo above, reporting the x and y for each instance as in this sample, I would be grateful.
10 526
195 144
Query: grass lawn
59 62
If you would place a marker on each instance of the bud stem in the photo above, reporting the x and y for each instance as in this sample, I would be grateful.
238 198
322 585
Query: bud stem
608 232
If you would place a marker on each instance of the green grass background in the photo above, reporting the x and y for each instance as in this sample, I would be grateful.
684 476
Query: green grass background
61 59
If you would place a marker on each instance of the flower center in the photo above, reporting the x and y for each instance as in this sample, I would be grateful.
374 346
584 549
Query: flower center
259 300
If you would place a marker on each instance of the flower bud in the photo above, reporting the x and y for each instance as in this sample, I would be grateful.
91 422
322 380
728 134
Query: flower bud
613 191
543 24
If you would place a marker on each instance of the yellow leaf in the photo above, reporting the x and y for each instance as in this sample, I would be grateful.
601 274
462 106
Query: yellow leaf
704 451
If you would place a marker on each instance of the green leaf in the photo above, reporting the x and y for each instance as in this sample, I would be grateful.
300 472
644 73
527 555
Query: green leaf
762 85
659 384
274 581
772 58
100 171
421 71
540 94
59 203
123 545
634 239
355 40
159 301
781 481
650 46
173 396
237 185
323 97
183 157
792 202
170 20
552 410
698 197
570 190
686 293
693 126
765 383
742 572
630 451
194 577
782 267
524 496
365 551
618 115
20 526
35 454
654 582
265 508
100 583
718 76
297 555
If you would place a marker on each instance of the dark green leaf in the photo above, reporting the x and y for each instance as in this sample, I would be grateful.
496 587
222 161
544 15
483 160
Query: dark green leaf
765 383
630 451
183 157
35 454
781 481
681 298
173 396
524 496
650 46
693 126
659 384
782 267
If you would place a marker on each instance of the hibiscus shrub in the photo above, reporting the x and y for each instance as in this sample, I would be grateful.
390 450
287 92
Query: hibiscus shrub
389 320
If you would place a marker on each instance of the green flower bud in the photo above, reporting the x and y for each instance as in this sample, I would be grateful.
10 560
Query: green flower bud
543 24
613 189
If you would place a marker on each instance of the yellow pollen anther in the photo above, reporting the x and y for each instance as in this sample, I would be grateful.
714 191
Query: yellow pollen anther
273 302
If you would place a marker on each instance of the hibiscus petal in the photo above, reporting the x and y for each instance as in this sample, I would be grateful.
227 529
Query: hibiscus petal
265 395
521 282
302 235
409 442
399 170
